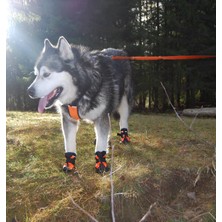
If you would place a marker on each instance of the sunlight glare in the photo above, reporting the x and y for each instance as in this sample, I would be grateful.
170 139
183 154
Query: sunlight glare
4 14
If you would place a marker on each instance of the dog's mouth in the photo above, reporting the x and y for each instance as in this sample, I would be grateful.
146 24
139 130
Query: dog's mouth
48 100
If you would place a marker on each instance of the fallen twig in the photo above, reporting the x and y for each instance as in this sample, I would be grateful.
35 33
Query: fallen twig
198 176
203 214
112 188
148 212
194 119
84 211
111 178
174 109
119 168
213 170
184 123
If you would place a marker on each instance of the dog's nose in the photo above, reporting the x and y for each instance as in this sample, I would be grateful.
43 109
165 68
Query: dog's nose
31 92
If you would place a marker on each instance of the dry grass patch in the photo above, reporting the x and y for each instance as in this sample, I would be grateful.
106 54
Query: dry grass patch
160 165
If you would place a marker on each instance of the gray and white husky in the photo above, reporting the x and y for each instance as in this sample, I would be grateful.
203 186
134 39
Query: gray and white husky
86 85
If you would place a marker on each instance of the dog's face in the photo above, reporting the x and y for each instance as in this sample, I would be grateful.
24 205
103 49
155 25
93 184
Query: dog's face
52 82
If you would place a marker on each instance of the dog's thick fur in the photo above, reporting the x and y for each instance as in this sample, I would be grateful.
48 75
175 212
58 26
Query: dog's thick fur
69 74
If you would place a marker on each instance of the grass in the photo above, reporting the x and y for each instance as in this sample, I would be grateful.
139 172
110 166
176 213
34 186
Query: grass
160 165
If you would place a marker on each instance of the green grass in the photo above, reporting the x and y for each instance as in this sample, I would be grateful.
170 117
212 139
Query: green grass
160 165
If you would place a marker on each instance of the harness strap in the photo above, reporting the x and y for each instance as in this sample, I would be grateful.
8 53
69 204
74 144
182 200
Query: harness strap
73 112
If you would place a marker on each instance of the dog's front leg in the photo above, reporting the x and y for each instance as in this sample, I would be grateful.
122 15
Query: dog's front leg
102 130
69 129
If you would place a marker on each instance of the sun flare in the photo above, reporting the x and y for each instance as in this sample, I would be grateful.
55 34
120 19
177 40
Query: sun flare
4 26
4 5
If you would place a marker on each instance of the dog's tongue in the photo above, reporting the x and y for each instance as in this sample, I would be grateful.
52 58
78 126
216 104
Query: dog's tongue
44 100
42 103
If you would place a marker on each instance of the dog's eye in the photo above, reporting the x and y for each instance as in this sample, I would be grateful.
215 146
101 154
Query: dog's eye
46 74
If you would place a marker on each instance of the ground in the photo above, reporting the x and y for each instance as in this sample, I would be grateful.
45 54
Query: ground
166 165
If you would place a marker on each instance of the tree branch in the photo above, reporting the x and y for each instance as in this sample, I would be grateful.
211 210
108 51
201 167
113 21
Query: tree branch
111 177
84 211
148 212
194 119
112 188
184 123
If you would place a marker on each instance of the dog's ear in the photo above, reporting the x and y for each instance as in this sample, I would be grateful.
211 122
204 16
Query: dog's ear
65 49
47 45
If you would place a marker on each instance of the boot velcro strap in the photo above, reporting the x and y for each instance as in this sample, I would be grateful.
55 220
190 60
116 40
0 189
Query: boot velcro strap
68 166
124 135
98 164
125 138
123 132
100 159
70 157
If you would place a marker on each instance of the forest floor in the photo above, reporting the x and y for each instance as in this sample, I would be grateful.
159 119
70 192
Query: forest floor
166 166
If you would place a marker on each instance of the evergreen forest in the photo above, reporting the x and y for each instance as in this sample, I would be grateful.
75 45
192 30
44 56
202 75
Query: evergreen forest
141 27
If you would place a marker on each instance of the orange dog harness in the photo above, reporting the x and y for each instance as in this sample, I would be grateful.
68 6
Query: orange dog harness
73 112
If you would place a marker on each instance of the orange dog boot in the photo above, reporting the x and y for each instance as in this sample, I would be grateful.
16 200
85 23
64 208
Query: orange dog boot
70 162
101 164
124 136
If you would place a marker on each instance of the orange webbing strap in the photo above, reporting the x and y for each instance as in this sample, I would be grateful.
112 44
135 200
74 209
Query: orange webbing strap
125 138
73 112
100 162
152 58
69 166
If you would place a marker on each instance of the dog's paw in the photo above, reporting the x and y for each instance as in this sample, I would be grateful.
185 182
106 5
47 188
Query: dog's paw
70 162
101 164
102 169
68 167
124 136
125 140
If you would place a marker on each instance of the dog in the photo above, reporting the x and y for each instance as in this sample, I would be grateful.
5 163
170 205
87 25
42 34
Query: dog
87 85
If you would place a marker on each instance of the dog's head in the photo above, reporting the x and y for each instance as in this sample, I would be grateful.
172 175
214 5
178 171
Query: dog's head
53 82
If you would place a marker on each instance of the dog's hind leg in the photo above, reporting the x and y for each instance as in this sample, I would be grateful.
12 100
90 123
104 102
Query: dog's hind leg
102 130
69 129
124 111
